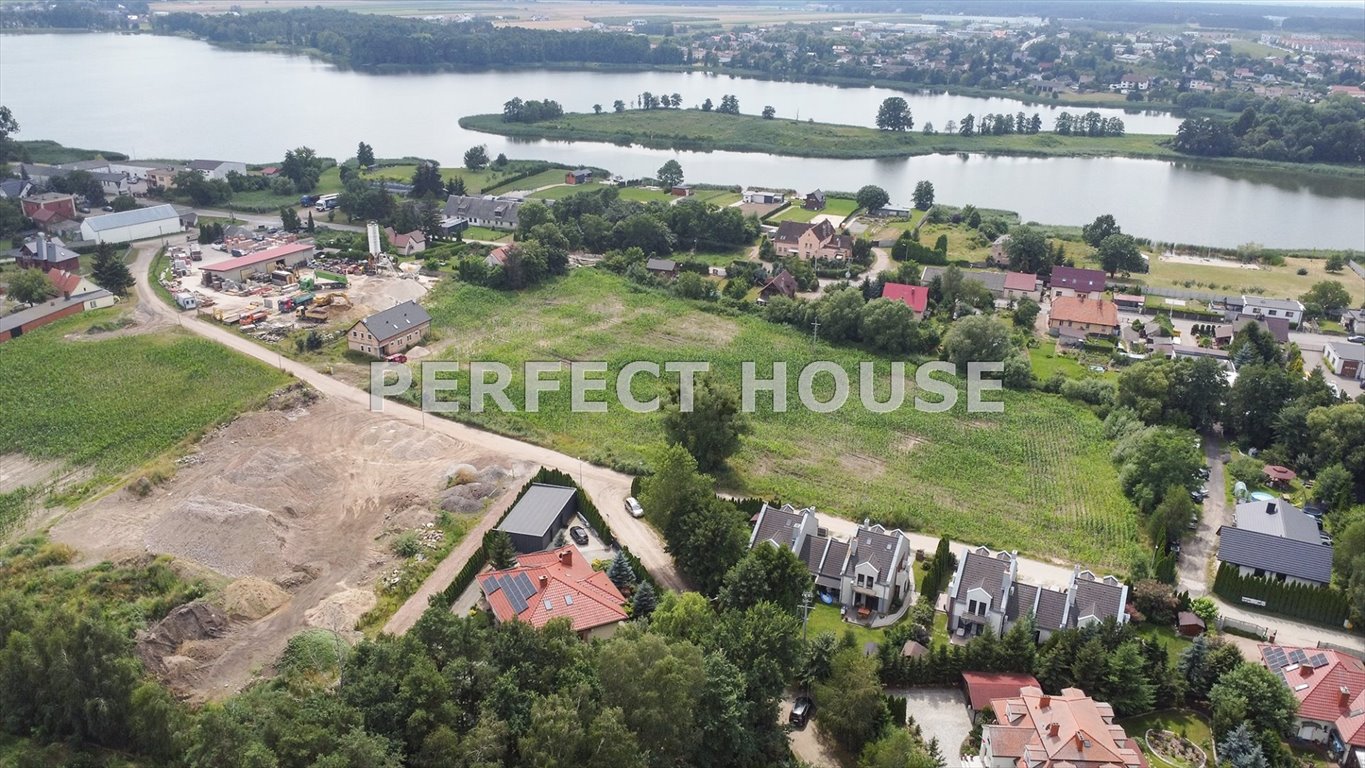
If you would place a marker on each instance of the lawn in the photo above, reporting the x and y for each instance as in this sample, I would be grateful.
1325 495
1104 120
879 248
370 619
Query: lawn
1181 722
645 195
475 181
1166 637
564 190
1231 279
542 179
484 233
825 618
893 229
963 242
715 258
838 207
1047 362
717 197
1036 477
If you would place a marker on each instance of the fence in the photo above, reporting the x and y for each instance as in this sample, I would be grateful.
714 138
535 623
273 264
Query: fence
1243 628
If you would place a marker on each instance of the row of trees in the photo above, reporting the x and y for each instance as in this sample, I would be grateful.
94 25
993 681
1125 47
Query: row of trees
530 111
1288 130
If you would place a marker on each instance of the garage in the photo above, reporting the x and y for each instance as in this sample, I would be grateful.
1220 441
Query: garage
127 226
239 269
542 512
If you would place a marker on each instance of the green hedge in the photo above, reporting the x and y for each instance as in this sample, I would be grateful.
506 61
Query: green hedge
1323 605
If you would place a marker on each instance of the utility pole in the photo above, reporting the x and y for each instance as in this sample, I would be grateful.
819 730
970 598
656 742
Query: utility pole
815 333
805 611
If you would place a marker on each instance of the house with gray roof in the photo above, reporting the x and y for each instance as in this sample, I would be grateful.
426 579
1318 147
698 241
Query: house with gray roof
390 332
1345 359
1261 306
991 281
986 594
217 169
488 211
1276 540
871 574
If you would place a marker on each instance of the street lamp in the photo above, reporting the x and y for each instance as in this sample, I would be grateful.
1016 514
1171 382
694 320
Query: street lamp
805 607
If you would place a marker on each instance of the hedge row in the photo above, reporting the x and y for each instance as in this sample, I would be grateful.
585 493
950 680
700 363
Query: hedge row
479 559
1323 605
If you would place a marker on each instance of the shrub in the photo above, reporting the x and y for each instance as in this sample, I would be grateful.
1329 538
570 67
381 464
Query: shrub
406 545
1246 469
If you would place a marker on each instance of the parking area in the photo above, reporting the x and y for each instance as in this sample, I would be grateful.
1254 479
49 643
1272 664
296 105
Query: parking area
941 713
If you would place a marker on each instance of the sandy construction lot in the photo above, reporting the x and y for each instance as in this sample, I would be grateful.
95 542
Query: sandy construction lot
292 507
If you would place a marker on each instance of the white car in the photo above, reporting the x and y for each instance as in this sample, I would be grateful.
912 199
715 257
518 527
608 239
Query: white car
634 508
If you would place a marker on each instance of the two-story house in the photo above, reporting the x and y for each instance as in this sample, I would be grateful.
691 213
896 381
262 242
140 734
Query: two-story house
986 593
871 573
1261 306
1074 281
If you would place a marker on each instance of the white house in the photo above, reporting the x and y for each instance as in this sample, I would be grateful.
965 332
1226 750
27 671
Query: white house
763 197
1260 306
870 574
217 169
137 224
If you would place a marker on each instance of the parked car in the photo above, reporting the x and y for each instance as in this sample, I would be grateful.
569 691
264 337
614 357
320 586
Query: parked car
396 359
634 508
1325 539
1194 522
801 712
1203 473
1356 339
107 209
579 536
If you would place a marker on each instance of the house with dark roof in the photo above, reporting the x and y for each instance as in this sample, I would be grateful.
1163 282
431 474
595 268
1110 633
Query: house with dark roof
870 574
217 169
556 584
811 241
781 284
14 188
1074 281
1276 540
579 176
391 331
662 267
491 212
1069 730
815 201
44 252
538 515
1330 688
986 594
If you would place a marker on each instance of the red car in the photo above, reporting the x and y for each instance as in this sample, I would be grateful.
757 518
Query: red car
396 359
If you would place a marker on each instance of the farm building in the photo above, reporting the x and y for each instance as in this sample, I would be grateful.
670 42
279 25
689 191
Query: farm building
239 269
15 325
49 208
389 332
541 513
662 267
137 224
43 252
558 584
763 197
580 176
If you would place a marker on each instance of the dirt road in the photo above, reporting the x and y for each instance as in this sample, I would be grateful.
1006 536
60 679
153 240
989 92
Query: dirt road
607 488
1196 557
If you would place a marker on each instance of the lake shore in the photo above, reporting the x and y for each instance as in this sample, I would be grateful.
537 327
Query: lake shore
696 130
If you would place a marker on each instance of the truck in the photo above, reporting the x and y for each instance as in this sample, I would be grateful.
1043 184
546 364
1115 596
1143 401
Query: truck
307 200
327 202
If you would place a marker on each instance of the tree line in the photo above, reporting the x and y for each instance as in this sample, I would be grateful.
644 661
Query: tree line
380 42
1285 130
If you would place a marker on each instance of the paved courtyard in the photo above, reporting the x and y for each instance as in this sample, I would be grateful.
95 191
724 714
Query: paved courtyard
940 713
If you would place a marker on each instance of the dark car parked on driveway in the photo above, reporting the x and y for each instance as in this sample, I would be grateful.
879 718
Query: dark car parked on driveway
579 536
801 712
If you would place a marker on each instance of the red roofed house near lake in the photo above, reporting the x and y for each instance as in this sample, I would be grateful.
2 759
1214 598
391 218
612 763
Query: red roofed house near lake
916 297
1072 730
557 583
1093 317
1330 688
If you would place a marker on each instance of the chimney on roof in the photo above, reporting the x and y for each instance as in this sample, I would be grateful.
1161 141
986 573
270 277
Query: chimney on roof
565 556
1305 670
1080 740
543 581
1044 702
1345 696
1052 729
1270 507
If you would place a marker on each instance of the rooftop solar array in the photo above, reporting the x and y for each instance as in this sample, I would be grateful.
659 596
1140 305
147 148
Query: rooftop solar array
1278 658
1275 658
516 586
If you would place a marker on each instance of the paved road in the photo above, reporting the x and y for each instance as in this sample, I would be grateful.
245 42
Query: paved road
273 220
607 488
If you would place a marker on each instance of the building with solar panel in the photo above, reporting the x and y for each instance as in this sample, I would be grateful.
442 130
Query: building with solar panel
557 584
1330 688
541 512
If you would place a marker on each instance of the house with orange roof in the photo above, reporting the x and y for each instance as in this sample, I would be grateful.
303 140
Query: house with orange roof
1083 315
70 284
916 297
555 584
1330 688
1072 730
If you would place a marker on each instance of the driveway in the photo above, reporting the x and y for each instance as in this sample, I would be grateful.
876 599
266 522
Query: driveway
941 713
1201 545
607 488
807 743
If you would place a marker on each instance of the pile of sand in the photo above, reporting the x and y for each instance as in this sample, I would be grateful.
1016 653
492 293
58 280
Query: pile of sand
185 625
340 612
252 598
466 498
233 539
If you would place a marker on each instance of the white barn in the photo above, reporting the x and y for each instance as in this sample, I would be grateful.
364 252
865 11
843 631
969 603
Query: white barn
137 224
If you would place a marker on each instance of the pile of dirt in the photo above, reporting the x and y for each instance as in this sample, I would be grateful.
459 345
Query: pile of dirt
340 612
466 498
294 396
231 538
252 598
188 623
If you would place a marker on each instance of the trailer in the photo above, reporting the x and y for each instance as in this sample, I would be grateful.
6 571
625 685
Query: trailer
303 299
327 202
251 318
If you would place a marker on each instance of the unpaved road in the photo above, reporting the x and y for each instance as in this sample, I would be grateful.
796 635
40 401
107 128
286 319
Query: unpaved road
607 488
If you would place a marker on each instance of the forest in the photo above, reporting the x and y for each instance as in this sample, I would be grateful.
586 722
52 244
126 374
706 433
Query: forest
1331 131
376 42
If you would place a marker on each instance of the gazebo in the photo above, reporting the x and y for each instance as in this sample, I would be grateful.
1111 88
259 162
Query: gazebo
1279 475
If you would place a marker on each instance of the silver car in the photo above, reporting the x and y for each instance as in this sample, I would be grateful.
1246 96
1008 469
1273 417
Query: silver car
634 508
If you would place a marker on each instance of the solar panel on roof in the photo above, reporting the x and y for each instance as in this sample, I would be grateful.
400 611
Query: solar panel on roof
1297 656
1275 658
1318 660
493 585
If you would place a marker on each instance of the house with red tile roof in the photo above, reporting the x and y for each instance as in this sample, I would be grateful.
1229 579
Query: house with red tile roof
1019 285
916 297
1330 688
70 284
1072 730
406 243
981 688
1084 314
555 584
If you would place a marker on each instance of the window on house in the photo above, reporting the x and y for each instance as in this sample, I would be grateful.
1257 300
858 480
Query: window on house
1273 312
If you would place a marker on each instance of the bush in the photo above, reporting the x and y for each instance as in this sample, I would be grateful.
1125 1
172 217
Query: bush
406 545
1246 469
1324 605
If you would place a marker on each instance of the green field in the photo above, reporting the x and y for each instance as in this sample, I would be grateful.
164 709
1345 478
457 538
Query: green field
643 195
838 207
998 479
484 233
117 403
694 129
1227 277
542 179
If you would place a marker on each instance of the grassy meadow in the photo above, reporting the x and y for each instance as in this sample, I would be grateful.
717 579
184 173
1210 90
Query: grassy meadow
1228 277
999 479
838 207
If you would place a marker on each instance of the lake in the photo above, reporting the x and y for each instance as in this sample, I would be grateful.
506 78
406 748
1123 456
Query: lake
161 97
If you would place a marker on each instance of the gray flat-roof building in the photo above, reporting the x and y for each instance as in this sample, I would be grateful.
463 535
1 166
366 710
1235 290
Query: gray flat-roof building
539 515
